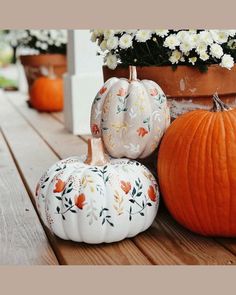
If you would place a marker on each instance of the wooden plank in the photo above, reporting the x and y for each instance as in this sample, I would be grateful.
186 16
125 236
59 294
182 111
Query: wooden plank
52 131
59 116
22 238
180 246
166 242
33 156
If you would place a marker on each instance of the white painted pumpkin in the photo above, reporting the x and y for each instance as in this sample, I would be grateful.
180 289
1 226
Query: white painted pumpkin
97 200
130 116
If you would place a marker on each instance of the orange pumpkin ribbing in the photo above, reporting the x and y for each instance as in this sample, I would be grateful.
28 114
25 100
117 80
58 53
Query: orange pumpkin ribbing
197 171
47 94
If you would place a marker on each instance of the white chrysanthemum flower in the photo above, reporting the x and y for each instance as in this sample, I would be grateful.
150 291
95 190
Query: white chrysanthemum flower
112 43
232 44
111 61
231 33
108 34
192 60
143 35
205 37
181 35
201 48
175 57
227 61
161 33
125 41
216 50
219 36
192 31
185 47
103 45
93 37
203 55
171 41
131 32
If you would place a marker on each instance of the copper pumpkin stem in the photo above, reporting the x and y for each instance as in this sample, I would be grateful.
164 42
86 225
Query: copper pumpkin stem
96 155
132 73
219 105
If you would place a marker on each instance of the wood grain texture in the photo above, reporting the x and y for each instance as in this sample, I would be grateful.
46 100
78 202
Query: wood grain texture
52 131
180 246
22 238
165 242
59 116
34 156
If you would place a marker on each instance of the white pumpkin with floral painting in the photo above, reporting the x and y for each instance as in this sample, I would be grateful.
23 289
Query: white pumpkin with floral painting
130 116
97 199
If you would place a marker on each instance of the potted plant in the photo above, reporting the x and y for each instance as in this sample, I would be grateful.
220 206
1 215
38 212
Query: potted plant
189 65
49 50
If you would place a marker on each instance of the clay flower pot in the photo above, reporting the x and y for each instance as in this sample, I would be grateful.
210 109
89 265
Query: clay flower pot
186 87
36 66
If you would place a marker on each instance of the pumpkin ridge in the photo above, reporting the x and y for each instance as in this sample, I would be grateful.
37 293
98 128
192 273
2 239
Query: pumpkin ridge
230 117
173 168
188 153
196 179
165 171
228 176
212 208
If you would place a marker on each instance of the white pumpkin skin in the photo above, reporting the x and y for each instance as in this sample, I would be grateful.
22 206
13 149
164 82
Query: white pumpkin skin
96 204
130 116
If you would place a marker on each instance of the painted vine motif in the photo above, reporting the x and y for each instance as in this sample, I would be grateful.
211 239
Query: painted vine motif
83 192
114 118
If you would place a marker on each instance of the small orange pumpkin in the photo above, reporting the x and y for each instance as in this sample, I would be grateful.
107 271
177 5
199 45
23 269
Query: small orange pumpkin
197 170
46 94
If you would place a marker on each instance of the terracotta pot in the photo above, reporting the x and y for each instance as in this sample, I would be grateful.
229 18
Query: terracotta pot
36 66
187 88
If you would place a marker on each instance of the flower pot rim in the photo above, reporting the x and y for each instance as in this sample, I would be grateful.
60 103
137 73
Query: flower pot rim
189 67
42 59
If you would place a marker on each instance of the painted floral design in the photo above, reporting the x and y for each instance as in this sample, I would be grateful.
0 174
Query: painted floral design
95 129
102 90
80 201
99 195
125 186
126 113
152 193
59 187
142 131
121 92
154 92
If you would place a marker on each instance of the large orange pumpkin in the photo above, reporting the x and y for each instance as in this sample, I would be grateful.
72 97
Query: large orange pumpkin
46 94
197 170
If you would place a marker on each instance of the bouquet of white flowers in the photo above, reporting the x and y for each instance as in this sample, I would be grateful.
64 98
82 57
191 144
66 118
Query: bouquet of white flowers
44 41
199 48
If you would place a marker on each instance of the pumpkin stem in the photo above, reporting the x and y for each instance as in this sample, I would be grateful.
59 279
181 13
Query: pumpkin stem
219 105
132 73
96 155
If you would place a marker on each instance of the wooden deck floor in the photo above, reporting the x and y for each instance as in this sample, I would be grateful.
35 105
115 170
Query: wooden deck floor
29 143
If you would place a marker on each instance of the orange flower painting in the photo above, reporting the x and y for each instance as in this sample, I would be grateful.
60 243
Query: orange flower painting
152 193
142 132
59 187
79 201
154 92
122 92
102 90
95 129
125 186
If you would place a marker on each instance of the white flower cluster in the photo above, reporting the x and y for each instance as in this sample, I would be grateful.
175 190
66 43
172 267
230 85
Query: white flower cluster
204 45
45 38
